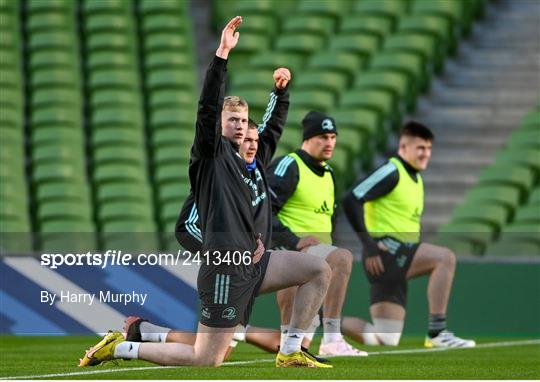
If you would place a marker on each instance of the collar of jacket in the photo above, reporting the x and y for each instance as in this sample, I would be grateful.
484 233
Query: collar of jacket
312 163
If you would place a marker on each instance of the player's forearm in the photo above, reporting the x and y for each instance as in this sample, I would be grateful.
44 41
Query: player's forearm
274 121
354 210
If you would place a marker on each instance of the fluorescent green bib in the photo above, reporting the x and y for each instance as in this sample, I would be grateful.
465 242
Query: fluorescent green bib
310 208
397 214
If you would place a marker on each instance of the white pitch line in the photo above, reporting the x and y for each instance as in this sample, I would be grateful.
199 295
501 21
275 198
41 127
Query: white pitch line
389 352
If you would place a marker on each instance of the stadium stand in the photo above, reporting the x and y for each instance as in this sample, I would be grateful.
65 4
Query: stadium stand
103 141
505 200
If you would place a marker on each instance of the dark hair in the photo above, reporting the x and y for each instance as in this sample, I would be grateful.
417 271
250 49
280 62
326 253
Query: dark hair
416 129
252 124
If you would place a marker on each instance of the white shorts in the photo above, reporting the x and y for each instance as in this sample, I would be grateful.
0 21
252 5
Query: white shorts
321 250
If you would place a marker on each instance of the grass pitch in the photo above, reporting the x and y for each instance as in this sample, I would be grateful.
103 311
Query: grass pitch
57 357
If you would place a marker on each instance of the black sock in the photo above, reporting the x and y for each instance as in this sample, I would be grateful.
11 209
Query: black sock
437 323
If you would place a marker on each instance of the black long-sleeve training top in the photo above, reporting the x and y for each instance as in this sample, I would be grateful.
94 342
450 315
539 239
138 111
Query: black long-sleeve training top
233 196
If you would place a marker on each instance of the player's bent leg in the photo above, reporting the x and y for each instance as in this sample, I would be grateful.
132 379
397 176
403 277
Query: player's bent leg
310 274
210 349
440 264
285 300
359 330
340 261
388 319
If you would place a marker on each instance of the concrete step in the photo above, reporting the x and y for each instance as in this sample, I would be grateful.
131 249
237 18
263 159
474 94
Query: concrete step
491 57
464 157
481 115
465 96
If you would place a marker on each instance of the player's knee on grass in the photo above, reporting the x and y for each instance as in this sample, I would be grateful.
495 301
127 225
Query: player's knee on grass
387 331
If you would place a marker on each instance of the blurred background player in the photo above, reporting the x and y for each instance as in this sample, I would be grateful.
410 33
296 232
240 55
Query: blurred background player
303 200
385 210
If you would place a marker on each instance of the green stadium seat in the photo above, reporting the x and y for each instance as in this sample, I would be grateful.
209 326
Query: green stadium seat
407 63
184 100
259 24
113 79
9 59
262 7
56 172
531 119
108 23
179 137
272 60
528 214
49 21
322 80
300 43
172 23
63 210
521 231
124 210
109 97
253 79
54 40
167 79
43 98
117 136
39 6
11 118
344 63
108 7
291 137
513 249
376 26
363 45
390 9
111 229
514 175
477 234
317 100
168 60
249 45
453 11
150 7
170 211
119 192
166 42
128 117
174 192
53 59
379 101
9 6
59 153
299 23
523 156
390 81
62 191
119 154
525 139
492 214
163 118
11 98
53 133
171 154
420 44
118 173
330 9
55 115
49 78
110 42
170 173
437 27
505 195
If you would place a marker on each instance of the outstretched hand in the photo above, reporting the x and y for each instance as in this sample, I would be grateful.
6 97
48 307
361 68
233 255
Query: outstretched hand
229 37
282 76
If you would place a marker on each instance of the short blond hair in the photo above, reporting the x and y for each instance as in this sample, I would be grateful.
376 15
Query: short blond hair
234 103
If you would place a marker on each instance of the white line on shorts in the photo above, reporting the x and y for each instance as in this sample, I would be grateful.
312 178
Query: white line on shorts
261 360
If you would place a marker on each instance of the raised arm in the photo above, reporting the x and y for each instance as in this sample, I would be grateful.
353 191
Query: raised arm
208 125
275 117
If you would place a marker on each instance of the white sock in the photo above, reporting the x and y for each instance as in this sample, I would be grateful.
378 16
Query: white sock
310 332
293 341
127 350
240 333
153 333
284 329
332 330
